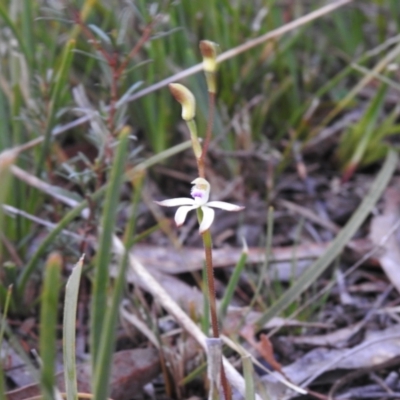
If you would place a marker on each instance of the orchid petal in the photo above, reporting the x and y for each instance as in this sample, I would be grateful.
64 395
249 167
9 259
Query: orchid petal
179 201
224 206
181 213
208 218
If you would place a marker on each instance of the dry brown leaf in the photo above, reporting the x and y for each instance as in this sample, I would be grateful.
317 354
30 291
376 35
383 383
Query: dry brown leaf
381 225
264 347
177 261
266 350
331 339
378 347
14 367
131 370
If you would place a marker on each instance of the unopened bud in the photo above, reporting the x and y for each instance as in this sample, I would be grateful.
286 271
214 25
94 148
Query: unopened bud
208 50
185 97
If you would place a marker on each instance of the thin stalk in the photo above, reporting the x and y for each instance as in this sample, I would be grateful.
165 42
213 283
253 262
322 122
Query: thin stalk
205 323
197 149
207 243
210 124
207 240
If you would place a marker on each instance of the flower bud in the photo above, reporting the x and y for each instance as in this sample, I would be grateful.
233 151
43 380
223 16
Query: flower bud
209 52
185 97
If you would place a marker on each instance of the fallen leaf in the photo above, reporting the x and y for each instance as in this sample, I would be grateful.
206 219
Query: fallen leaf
381 225
264 347
378 347
177 261
14 367
331 339
131 370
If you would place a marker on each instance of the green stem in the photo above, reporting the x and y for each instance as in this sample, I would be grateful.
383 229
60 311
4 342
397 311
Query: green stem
196 146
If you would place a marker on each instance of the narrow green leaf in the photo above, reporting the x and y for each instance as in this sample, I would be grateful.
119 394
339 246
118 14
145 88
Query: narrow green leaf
195 373
104 360
16 105
27 31
381 65
5 311
268 248
69 328
59 86
48 324
7 158
103 258
336 247
248 377
19 189
16 32
233 281
366 127
100 33
5 138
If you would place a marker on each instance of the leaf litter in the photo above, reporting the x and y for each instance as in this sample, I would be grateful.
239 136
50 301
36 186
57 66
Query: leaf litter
170 266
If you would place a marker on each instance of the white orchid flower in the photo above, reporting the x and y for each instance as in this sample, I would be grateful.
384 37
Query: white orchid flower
200 193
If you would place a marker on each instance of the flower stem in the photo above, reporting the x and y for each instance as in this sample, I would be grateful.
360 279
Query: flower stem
210 124
197 149
207 243
207 240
